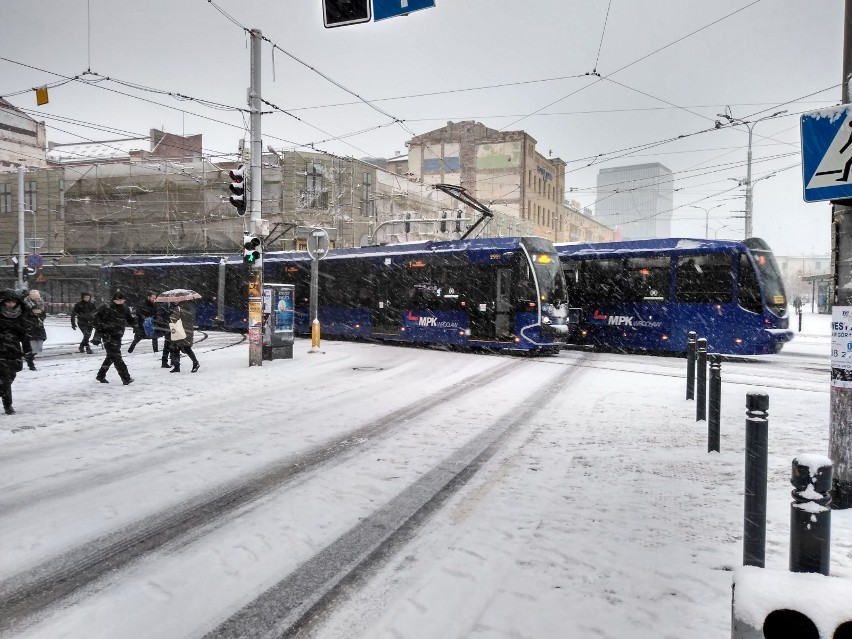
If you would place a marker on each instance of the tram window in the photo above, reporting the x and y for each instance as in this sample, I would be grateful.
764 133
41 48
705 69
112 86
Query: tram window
748 289
704 279
601 281
646 279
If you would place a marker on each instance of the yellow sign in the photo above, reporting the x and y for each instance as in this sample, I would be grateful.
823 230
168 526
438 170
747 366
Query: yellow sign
41 95
40 278
778 299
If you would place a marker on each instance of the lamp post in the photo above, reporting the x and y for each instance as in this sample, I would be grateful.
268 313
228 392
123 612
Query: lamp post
706 217
748 183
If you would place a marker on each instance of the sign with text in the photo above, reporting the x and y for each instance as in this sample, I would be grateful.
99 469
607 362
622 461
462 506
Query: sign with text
841 347
391 8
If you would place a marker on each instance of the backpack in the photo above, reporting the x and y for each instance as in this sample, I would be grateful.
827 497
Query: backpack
148 326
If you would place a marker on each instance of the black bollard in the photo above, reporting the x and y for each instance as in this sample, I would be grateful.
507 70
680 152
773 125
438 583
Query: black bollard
701 380
714 428
756 461
690 365
800 320
810 516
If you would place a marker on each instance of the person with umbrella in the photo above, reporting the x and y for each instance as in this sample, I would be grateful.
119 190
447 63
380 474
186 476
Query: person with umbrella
181 325
111 320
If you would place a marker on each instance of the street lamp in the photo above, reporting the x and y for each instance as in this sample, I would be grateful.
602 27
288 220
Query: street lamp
706 217
748 183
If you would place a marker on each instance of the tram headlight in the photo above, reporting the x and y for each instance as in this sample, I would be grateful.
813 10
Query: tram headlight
739 340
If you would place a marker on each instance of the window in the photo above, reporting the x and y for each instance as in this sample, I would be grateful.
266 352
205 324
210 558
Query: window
30 189
633 279
704 279
5 198
314 195
748 290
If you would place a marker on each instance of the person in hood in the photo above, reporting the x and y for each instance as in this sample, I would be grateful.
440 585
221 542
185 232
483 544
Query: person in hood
146 309
14 344
83 315
110 321
33 308
183 315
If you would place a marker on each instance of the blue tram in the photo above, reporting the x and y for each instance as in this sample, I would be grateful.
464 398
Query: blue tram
500 293
648 294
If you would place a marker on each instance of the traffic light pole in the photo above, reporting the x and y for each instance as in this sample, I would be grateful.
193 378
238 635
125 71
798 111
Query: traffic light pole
21 248
840 424
255 284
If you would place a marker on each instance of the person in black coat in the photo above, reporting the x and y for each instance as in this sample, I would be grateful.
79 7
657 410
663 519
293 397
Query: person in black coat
34 310
162 317
110 321
83 315
183 315
14 344
146 309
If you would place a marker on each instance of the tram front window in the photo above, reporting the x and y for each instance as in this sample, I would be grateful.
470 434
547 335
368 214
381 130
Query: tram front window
767 269
548 272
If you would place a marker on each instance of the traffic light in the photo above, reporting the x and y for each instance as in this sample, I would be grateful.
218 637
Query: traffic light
238 188
251 249
338 13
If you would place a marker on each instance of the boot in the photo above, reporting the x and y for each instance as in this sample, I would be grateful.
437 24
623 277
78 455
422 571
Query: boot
176 369
164 365
195 367
127 381
81 348
9 410
101 376
88 350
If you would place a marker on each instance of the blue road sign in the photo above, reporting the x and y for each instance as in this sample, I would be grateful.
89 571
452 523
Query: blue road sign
390 8
827 154
34 260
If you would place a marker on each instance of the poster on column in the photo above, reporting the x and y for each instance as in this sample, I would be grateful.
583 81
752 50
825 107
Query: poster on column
841 347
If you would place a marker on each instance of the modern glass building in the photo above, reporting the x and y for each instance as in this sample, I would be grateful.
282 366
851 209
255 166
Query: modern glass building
636 200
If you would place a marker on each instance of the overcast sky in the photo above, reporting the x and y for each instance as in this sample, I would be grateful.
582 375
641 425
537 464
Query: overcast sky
666 69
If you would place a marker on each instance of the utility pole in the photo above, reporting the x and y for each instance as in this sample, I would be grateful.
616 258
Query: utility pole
840 423
255 283
21 251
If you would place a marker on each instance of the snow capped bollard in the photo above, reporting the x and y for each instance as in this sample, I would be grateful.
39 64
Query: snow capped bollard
690 365
810 516
701 380
714 428
756 461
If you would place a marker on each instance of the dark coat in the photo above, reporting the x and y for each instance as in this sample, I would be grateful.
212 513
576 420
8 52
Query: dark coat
14 342
111 320
34 319
161 320
146 309
83 314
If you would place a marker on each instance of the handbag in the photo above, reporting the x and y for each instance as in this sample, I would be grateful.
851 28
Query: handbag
176 329
148 326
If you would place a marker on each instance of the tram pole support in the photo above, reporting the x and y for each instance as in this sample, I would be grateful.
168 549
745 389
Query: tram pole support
255 284
690 365
840 393
714 428
701 378
756 465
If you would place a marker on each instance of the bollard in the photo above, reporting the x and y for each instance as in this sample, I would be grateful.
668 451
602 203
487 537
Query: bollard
756 461
800 320
690 365
714 429
810 516
701 380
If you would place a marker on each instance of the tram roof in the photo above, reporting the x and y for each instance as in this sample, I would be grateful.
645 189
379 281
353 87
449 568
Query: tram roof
668 245
414 248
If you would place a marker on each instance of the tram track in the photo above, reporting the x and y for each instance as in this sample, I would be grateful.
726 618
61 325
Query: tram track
36 589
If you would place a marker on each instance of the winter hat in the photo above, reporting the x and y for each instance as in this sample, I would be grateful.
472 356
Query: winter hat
84 294
118 295
9 294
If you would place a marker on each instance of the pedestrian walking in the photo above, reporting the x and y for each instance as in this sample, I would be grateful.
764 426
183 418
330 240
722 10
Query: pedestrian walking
161 329
14 344
181 324
110 321
145 310
83 315
33 310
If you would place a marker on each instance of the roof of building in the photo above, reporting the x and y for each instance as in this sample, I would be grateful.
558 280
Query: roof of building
11 107
88 151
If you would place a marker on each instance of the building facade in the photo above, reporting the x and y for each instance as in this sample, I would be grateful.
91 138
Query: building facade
636 200
504 171
22 139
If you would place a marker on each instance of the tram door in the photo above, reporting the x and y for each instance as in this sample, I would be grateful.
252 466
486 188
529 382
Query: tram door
503 304
386 316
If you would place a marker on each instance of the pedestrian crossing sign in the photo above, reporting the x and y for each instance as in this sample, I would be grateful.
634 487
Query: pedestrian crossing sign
827 154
